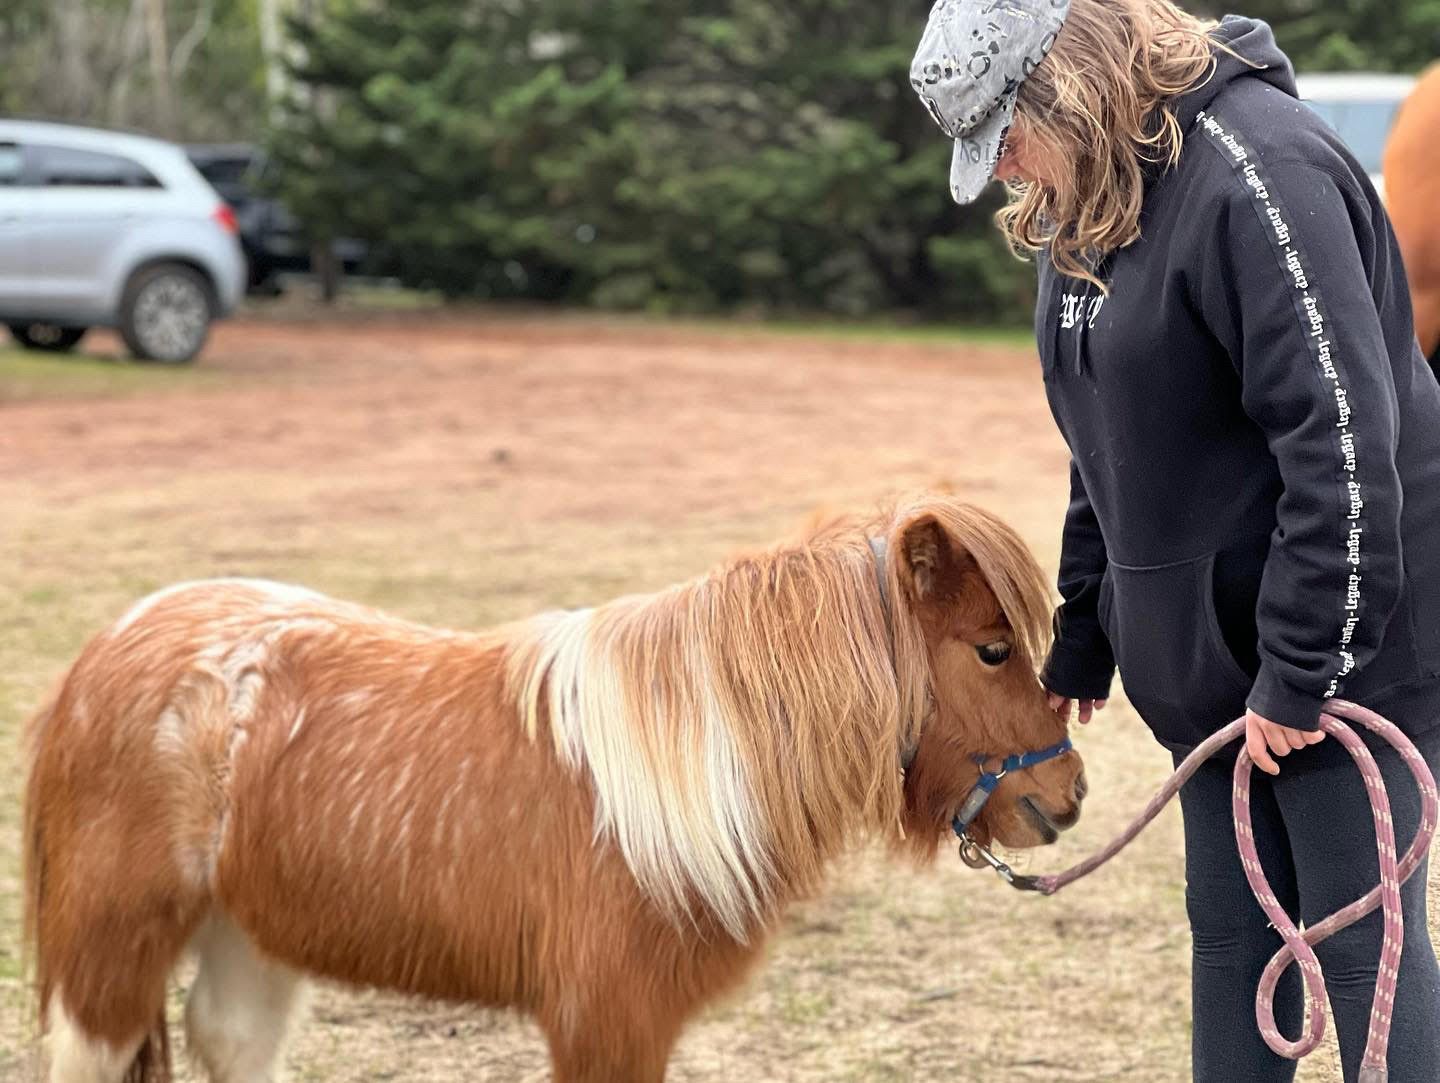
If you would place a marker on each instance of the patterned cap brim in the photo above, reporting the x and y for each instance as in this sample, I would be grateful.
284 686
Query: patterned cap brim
977 153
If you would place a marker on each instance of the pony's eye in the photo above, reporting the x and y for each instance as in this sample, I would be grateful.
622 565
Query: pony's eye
993 654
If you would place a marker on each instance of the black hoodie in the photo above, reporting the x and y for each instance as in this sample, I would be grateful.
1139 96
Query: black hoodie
1255 436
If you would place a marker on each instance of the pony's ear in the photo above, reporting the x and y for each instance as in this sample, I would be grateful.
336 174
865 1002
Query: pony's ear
931 561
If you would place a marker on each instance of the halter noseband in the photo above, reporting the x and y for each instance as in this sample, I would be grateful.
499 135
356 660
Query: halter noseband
990 779
975 854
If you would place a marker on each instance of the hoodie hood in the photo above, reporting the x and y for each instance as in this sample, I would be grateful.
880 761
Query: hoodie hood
1255 41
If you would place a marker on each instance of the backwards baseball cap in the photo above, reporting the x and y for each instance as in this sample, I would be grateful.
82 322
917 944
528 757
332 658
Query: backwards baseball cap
968 68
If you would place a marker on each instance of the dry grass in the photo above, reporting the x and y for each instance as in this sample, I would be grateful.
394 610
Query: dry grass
468 471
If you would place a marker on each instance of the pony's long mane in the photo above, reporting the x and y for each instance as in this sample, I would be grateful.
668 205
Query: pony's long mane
740 728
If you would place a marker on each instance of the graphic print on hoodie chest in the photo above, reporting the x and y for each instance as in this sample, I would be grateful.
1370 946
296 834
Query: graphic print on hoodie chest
1076 308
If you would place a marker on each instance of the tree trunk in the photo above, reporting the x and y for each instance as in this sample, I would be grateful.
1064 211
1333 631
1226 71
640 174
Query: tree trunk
132 36
163 91
271 45
326 269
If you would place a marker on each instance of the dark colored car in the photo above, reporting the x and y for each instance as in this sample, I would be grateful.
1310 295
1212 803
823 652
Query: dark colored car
272 237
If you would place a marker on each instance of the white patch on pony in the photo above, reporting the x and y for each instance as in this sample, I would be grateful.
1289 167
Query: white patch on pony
401 789
239 666
437 838
284 593
295 726
76 1057
354 701
457 834
352 829
402 846
245 694
678 804
170 733
147 603
240 1008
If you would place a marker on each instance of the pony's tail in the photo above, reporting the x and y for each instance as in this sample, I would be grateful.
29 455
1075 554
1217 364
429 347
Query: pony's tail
152 1062
35 959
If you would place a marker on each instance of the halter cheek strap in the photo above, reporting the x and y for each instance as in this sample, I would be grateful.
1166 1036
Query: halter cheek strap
975 800
878 550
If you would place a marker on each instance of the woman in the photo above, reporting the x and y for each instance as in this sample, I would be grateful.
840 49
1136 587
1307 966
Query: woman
1254 522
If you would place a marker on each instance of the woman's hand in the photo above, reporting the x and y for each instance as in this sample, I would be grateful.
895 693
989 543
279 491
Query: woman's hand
1061 706
1263 737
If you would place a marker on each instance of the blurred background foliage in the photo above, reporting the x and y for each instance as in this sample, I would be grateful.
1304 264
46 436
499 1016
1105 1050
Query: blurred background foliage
178 68
641 153
1347 35
692 155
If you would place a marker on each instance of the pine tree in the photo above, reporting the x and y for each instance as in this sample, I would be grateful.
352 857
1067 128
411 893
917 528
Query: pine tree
1356 35
638 153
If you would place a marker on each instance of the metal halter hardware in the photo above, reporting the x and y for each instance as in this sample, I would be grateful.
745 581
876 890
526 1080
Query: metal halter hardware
974 853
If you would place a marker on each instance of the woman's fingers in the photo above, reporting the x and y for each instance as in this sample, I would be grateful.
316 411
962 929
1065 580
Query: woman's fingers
1061 706
1275 738
1255 745
1263 737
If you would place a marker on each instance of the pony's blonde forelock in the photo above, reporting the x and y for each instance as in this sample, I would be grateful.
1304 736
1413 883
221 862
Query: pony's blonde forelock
741 728
1102 102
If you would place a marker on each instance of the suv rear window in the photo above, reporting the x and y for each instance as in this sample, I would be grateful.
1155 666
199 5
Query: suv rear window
223 170
9 164
67 167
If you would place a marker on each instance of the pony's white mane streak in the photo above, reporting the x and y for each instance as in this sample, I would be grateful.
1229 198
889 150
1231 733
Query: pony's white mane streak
683 816
736 729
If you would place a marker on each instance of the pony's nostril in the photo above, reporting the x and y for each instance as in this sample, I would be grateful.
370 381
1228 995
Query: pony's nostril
1067 819
1082 788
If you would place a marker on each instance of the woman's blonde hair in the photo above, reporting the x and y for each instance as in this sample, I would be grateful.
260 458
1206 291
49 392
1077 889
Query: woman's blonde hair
1102 102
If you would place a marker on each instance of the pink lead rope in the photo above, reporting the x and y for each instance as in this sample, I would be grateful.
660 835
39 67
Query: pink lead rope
1299 947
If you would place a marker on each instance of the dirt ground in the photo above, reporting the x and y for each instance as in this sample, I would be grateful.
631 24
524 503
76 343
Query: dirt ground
467 469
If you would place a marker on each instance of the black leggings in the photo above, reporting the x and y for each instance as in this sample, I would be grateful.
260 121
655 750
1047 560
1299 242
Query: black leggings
1315 837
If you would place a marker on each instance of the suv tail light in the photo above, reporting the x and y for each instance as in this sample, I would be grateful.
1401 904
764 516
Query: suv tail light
226 219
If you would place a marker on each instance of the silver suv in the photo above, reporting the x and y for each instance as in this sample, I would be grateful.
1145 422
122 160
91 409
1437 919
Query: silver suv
103 229
1361 107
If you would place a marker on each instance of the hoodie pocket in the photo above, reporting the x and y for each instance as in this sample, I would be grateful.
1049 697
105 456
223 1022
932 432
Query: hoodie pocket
1178 673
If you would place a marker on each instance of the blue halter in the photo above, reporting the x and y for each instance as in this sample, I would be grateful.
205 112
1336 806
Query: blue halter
990 779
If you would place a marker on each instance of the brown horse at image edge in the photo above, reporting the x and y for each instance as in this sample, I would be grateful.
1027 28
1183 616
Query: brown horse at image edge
1412 199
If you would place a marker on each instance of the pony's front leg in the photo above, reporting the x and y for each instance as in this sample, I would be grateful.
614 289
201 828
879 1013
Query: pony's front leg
611 1047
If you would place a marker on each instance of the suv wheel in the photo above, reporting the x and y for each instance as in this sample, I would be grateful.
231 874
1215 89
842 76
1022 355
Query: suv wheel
47 336
165 313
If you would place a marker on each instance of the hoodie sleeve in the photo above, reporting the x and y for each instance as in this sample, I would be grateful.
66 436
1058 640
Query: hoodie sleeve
1081 663
1292 302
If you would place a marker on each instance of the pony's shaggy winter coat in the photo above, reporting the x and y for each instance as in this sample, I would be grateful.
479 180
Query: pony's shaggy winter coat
592 816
